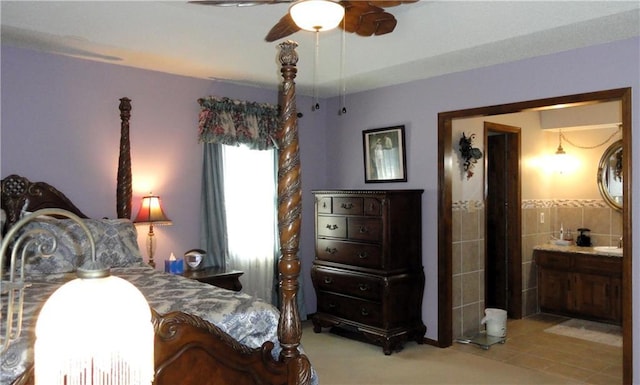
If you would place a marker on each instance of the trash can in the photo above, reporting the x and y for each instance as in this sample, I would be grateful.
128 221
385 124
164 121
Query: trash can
495 321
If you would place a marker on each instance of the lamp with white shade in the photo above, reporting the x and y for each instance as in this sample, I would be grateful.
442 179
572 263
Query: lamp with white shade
96 329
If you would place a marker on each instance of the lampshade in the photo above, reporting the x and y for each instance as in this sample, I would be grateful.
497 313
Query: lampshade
95 331
151 212
316 15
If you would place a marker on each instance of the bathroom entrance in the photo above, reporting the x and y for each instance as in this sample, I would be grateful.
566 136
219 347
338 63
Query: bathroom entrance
503 236
447 171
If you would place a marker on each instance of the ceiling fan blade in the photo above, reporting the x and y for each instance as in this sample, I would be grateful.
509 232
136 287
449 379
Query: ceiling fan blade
376 24
365 19
387 4
285 27
237 3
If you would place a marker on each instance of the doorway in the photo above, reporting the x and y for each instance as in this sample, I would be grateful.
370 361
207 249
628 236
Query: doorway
445 204
503 235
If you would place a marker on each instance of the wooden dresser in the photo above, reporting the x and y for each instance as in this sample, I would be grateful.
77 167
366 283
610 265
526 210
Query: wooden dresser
368 272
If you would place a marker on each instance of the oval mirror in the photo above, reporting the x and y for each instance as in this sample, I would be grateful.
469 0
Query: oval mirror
610 175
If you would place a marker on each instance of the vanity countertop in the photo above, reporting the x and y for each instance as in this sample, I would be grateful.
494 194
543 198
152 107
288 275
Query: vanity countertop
574 249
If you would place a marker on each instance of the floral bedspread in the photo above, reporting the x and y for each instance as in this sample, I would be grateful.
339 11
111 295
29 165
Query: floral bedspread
249 320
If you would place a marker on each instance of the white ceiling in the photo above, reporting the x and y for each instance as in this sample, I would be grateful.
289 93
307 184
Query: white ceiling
227 43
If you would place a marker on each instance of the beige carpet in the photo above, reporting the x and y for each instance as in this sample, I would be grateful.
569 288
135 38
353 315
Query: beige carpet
590 331
341 361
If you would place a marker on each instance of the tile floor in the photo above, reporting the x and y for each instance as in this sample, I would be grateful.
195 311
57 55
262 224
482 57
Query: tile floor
529 346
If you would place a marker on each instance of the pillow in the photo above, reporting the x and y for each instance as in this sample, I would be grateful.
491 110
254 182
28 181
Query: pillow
3 219
116 243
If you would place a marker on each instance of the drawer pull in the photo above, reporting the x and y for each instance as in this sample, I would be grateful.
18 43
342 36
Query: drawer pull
363 287
328 280
332 227
330 250
364 311
363 229
332 305
347 206
363 255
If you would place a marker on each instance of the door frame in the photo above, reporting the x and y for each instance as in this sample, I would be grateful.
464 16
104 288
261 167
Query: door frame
446 172
514 216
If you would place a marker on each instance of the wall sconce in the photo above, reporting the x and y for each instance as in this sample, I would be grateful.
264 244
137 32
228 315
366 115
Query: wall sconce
151 213
469 154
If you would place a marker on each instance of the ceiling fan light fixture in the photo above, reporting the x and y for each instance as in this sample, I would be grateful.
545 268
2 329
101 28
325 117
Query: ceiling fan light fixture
316 15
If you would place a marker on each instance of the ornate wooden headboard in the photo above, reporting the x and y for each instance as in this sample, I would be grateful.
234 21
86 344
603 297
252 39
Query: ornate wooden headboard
20 194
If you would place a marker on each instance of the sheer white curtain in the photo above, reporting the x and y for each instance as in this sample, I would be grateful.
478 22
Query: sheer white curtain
250 199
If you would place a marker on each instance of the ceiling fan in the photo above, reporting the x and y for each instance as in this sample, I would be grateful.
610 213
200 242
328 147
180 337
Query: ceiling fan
365 18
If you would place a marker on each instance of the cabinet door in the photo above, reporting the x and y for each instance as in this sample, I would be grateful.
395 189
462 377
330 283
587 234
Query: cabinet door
553 286
593 295
616 299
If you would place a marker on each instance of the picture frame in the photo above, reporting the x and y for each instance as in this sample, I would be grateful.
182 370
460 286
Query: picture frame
385 157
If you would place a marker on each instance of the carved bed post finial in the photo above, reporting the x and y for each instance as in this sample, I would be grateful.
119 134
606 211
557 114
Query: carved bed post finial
123 192
289 205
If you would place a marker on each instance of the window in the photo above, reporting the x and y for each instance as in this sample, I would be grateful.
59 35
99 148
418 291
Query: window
250 191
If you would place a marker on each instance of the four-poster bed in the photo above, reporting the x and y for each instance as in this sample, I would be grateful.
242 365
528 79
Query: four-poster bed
189 349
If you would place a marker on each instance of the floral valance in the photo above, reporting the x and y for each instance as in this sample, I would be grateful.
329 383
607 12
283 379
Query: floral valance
235 122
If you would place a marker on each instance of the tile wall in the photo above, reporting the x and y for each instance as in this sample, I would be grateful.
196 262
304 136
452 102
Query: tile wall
541 220
468 267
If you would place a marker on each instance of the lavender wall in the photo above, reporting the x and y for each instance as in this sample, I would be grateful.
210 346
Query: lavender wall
61 124
417 104
51 103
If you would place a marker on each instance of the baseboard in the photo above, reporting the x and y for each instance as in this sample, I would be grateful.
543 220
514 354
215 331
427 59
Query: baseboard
432 342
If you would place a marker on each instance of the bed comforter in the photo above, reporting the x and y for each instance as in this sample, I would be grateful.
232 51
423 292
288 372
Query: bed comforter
249 320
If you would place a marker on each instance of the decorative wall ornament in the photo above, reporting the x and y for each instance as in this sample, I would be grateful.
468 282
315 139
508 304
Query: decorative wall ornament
470 154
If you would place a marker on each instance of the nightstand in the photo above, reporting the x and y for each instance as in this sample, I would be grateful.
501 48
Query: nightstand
217 276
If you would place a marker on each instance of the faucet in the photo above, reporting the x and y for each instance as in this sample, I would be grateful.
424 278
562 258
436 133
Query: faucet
620 243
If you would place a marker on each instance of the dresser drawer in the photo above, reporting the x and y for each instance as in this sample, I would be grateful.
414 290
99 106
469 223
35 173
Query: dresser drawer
324 205
364 229
347 205
354 309
332 226
349 253
372 207
344 282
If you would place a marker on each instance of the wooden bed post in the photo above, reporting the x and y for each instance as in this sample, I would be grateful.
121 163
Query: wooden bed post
123 191
289 206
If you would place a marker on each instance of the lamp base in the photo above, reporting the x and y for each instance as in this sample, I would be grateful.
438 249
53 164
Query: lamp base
151 246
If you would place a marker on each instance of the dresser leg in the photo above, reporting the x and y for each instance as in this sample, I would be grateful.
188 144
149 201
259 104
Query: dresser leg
317 327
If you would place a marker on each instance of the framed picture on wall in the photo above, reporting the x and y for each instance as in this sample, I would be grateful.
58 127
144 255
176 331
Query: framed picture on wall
384 155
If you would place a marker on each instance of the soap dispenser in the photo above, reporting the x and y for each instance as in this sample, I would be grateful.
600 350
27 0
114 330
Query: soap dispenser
583 239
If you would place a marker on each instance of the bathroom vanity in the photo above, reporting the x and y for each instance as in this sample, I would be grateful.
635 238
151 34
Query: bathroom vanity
579 282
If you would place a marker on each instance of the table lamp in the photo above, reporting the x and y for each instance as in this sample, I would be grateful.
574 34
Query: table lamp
151 213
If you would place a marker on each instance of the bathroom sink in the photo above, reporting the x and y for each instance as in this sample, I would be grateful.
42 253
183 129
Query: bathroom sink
608 250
